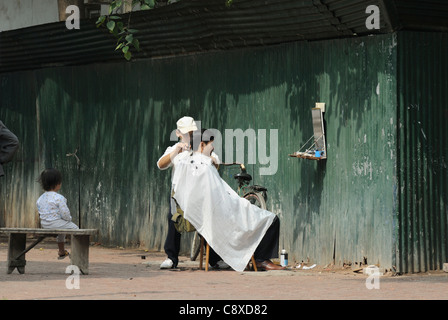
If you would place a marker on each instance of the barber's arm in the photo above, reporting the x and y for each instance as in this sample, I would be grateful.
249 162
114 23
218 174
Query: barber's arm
165 161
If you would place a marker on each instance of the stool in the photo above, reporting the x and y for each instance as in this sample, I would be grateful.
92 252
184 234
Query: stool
207 256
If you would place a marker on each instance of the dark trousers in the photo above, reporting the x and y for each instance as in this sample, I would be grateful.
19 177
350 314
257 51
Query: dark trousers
268 247
172 245
172 242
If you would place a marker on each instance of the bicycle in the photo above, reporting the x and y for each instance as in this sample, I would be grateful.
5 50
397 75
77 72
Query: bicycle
256 194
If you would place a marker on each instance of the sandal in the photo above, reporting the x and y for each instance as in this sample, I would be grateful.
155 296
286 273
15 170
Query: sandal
63 255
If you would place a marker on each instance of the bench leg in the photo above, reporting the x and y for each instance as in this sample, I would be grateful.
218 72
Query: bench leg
16 246
80 252
35 243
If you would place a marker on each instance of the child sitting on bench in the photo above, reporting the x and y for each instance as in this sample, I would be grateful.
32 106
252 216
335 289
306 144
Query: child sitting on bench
52 207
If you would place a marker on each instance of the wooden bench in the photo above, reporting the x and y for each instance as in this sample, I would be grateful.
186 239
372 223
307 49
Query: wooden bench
17 245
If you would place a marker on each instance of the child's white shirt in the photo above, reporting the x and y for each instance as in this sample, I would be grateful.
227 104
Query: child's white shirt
53 206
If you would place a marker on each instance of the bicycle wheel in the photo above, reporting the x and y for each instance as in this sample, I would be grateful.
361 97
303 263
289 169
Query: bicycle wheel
257 199
195 246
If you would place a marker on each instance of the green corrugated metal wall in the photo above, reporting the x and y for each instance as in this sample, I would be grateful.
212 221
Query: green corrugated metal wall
119 116
423 151
18 188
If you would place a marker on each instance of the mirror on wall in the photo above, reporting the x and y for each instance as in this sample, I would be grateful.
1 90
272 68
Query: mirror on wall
315 148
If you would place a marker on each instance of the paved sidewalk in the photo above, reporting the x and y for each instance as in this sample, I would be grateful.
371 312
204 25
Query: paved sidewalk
133 274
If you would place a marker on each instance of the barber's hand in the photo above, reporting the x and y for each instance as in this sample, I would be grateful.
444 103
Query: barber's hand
182 146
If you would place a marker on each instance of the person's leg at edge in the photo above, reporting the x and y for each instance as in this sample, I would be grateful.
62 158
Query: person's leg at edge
268 248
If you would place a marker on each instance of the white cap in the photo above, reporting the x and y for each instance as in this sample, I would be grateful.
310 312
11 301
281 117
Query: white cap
186 124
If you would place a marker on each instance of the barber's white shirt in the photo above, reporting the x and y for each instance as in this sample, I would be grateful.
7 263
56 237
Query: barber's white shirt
171 149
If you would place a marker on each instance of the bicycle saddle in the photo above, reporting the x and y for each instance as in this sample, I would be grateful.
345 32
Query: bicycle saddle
243 176
259 188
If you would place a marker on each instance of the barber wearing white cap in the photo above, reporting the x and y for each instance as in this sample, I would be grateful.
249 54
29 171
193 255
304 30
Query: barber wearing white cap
185 128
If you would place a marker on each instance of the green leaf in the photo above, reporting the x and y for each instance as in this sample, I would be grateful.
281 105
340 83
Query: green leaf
115 17
125 49
129 38
128 55
136 44
119 46
114 5
111 25
100 21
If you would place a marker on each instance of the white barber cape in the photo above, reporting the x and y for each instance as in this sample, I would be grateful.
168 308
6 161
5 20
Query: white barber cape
231 225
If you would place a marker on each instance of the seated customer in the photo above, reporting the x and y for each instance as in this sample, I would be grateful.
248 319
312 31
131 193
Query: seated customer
232 226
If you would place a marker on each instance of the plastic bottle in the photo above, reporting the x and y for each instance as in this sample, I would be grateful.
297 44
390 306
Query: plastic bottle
284 258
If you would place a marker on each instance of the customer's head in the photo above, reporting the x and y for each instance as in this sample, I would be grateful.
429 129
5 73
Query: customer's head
203 141
50 179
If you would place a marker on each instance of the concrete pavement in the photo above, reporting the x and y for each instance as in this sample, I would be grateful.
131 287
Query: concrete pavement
134 274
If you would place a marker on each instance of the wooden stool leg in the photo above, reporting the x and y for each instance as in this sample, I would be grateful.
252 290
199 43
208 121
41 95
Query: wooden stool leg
201 253
254 264
207 256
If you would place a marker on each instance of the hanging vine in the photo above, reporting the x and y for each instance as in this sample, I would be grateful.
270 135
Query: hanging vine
121 30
